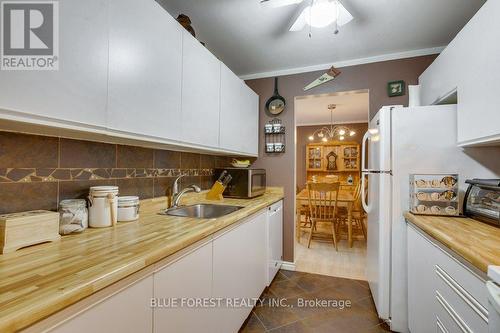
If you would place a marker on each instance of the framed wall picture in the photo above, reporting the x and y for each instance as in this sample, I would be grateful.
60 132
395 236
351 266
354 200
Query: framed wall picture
396 88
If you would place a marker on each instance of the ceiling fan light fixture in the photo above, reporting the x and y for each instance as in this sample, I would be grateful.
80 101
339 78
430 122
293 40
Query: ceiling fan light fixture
321 13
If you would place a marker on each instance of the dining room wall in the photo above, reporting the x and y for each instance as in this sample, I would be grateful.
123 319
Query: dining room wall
374 77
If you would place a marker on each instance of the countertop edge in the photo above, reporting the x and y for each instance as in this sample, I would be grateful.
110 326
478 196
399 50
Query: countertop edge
452 251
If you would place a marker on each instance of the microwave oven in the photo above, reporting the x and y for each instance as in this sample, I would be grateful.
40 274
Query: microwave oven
246 183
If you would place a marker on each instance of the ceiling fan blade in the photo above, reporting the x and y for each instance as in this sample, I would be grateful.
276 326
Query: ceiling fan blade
299 23
343 15
279 3
299 18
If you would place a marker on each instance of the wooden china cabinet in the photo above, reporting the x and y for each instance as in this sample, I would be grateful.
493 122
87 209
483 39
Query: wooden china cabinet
339 158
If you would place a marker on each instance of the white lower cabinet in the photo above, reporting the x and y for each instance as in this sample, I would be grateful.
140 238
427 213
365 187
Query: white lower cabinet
128 311
184 281
239 269
443 294
231 265
420 285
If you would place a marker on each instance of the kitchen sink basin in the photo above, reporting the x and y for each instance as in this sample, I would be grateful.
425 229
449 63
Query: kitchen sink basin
202 211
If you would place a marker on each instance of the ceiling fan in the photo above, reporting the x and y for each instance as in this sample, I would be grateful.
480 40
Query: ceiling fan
314 13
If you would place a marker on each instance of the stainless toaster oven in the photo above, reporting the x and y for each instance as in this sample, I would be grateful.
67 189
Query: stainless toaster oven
482 200
246 182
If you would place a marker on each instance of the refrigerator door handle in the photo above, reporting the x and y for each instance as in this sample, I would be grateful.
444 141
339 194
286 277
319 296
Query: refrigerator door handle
363 149
366 207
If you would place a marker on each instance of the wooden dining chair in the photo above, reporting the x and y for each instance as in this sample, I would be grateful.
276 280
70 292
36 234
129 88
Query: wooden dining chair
358 214
323 199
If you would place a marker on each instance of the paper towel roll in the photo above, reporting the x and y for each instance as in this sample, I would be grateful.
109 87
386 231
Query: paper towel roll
414 95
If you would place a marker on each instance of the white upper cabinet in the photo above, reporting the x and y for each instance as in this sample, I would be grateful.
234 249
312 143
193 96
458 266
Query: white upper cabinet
77 92
470 64
127 68
250 121
145 69
201 74
239 114
231 94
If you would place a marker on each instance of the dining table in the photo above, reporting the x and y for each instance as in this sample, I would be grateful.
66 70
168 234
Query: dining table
345 199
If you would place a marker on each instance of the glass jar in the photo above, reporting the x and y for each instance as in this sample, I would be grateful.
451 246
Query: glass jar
73 216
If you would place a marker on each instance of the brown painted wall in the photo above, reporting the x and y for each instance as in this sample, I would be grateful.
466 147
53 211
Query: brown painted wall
303 133
37 172
280 168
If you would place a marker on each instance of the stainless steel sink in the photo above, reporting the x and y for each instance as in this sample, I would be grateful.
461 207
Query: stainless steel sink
202 211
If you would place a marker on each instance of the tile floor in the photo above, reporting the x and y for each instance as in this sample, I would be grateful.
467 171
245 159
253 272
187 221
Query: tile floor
321 257
296 286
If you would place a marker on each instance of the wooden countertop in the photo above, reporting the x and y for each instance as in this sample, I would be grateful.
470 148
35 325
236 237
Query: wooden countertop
476 242
38 281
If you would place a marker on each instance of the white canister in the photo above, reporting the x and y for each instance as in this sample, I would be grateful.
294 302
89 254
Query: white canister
103 206
128 208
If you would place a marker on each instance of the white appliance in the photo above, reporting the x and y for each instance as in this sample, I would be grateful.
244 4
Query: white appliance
402 141
274 240
493 288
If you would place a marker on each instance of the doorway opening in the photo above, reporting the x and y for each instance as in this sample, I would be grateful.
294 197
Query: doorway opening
328 135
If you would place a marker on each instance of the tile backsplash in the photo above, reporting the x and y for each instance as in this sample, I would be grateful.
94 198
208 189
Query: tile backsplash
37 172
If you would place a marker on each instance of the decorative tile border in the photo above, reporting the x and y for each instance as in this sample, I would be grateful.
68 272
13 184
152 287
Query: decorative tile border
33 175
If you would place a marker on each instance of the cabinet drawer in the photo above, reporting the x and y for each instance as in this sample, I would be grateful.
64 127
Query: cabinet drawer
440 326
465 277
466 307
447 318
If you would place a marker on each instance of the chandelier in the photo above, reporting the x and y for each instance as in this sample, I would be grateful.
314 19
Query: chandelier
334 131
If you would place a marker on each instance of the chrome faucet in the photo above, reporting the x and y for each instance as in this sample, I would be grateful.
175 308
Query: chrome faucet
177 198
176 194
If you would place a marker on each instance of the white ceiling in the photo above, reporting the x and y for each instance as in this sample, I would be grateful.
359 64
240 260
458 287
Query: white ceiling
352 107
252 39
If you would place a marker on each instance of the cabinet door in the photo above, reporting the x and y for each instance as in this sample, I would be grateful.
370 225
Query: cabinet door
421 289
275 248
239 269
145 69
470 65
200 94
128 311
250 121
231 111
77 92
190 278
239 114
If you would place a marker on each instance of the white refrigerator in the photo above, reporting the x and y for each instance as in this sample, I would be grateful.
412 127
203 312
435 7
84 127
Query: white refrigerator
401 141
